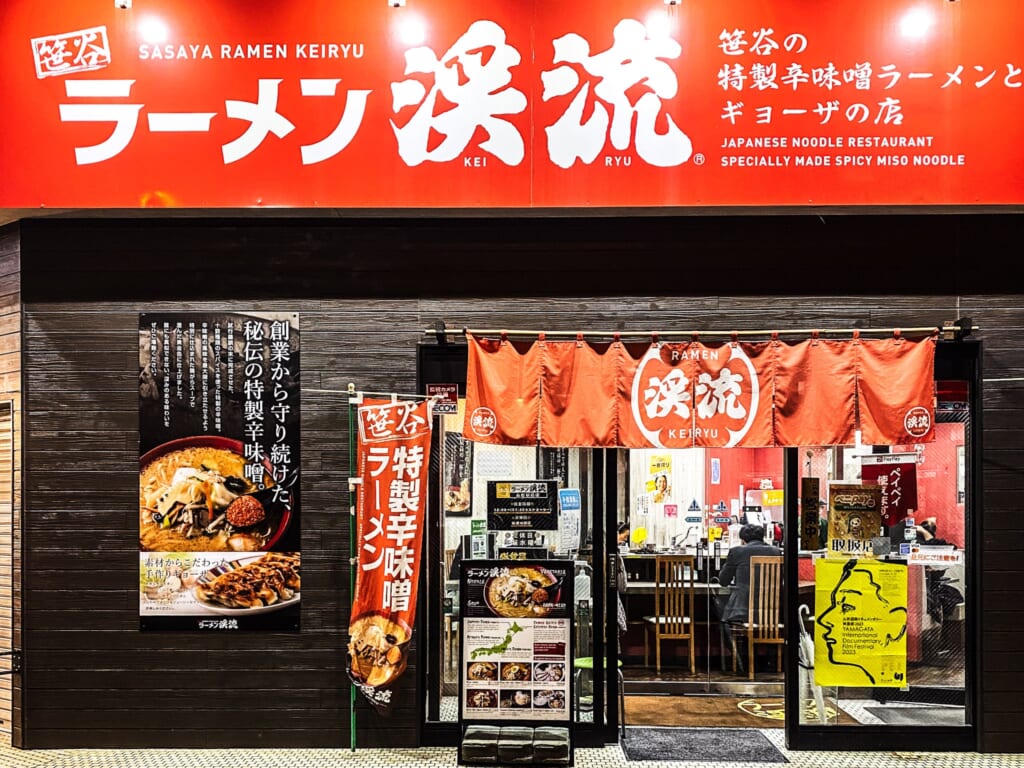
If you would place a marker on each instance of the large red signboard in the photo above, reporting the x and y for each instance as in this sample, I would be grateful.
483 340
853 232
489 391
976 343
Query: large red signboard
512 103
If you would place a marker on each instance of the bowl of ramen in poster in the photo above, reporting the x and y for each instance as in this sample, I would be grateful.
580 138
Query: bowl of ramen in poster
194 497
482 670
378 649
523 592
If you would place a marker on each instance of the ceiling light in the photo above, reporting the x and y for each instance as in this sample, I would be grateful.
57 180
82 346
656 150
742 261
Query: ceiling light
917 23
152 30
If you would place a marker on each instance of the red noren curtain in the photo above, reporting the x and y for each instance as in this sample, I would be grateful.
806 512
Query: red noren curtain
698 394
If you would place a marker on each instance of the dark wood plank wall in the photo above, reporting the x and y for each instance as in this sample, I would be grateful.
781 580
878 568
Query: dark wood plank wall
1001 316
10 469
366 290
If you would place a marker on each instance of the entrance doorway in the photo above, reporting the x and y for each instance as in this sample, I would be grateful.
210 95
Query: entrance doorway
687 510
690 503
721 662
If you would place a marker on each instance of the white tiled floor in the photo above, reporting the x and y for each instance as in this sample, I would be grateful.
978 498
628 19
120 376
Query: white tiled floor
608 757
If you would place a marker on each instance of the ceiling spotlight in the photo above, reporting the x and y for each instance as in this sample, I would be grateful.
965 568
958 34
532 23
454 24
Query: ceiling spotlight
916 23
123 4
152 30
673 2
396 3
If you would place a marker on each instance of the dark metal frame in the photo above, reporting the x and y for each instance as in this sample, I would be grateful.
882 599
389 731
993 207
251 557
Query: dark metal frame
449 361
431 358
604 729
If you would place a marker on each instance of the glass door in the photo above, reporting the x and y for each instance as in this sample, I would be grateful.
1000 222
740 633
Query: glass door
745 618
883 629
462 526
700 504
884 642
597 684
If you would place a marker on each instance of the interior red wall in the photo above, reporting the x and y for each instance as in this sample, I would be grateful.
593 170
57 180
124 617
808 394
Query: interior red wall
742 466
937 484
737 468
936 478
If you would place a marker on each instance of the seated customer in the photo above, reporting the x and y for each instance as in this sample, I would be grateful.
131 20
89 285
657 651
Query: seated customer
946 586
622 533
736 571
927 533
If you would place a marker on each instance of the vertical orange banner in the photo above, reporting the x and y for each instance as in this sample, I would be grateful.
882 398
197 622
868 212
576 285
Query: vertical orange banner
393 454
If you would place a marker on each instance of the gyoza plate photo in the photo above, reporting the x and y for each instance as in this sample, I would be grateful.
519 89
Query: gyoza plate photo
251 585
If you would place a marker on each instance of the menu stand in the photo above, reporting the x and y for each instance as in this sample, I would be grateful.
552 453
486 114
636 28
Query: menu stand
515 662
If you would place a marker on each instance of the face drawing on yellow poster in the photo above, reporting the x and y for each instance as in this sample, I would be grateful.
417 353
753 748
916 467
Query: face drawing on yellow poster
861 633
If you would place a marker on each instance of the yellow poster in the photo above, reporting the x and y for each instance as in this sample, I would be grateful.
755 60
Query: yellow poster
860 634
659 485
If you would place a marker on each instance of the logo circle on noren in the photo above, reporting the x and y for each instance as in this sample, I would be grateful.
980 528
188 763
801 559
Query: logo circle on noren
917 421
483 422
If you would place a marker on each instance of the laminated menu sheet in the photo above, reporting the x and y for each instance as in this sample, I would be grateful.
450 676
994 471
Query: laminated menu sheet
516 661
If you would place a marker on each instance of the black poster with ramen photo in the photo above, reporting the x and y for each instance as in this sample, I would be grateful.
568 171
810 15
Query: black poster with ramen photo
219 533
458 474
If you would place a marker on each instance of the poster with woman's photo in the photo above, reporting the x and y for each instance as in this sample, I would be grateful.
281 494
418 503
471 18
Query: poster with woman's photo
659 479
218 471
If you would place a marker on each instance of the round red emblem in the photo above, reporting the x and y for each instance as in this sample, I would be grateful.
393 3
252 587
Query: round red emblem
483 422
917 421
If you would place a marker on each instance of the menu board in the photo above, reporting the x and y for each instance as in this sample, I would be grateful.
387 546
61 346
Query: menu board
218 471
517 640
517 505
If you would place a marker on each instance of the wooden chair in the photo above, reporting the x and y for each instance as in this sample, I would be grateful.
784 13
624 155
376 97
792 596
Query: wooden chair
673 606
764 610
